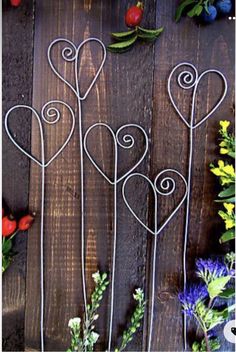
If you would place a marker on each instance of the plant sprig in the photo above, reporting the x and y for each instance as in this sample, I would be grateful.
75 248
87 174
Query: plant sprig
83 335
126 40
215 275
135 320
226 173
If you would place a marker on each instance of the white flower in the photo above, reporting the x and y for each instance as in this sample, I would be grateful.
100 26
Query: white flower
74 323
94 336
138 295
95 317
96 277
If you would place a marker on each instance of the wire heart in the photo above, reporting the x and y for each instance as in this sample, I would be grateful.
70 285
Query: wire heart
167 185
187 80
71 54
129 139
50 112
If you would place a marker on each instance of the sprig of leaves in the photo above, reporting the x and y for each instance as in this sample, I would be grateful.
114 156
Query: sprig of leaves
126 40
226 173
7 254
83 336
135 320
192 8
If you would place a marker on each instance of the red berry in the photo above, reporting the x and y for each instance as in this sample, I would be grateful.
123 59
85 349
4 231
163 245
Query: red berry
26 222
9 226
134 15
15 3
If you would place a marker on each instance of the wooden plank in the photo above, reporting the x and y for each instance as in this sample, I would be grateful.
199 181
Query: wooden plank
206 47
17 88
116 100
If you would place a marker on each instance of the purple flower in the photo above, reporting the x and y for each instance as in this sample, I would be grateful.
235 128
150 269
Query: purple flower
209 270
191 297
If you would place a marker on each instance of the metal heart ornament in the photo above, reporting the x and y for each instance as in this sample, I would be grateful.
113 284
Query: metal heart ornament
167 187
127 138
50 112
188 80
71 54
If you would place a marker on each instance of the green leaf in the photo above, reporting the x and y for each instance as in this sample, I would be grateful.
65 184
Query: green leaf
232 154
225 313
231 308
122 46
151 32
123 35
181 8
6 246
196 11
227 236
228 293
217 286
226 200
230 191
6 261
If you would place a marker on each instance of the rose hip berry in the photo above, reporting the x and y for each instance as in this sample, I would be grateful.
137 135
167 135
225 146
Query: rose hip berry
15 3
26 222
9 226
134 15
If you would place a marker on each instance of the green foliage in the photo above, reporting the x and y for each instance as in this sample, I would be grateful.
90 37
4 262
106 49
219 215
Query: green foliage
214 345
193 8
126 40
227 293
83 337
216 287
207 317
226 174
6 252
135 320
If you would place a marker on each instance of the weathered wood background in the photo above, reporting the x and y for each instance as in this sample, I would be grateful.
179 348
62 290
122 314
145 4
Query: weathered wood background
131 88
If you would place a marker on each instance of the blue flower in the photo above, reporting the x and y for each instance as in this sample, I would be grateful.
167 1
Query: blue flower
191 297
209 270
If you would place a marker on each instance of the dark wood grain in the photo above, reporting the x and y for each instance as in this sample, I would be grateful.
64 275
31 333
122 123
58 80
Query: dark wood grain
131 89
17 88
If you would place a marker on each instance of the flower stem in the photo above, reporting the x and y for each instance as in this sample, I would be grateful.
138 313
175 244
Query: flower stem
207 342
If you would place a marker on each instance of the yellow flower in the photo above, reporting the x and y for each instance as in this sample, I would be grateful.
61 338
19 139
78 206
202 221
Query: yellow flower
222 144
229 170
229 223
224 151
224 125
229 207
221 163
216 171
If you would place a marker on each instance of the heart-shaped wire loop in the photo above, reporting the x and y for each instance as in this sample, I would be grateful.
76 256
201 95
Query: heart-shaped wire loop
47 113
71 53
188 80
127 142
166 188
